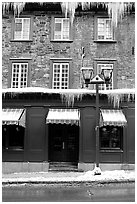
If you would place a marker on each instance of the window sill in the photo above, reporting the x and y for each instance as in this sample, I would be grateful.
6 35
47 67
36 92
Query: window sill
13 149
21 40
111 150
63 41
105 41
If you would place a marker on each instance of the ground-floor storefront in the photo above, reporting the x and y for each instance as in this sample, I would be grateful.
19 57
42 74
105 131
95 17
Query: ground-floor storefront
40 129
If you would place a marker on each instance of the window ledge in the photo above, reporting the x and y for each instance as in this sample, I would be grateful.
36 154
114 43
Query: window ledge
63 41
105 41
21 40
111 150
14 149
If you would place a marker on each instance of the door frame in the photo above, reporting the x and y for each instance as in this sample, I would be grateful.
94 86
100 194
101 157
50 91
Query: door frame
65 151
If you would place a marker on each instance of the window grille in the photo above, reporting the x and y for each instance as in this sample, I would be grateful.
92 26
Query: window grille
19 75
60 75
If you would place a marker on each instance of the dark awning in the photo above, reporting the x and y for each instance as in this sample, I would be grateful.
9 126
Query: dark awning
63 116
112 117
13 116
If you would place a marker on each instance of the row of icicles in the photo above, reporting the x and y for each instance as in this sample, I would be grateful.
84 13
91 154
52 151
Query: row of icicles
116 10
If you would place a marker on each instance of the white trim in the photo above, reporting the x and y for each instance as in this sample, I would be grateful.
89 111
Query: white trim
60 58
22 58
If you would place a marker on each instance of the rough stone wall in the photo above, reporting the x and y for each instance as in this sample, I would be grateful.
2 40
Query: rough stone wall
41 50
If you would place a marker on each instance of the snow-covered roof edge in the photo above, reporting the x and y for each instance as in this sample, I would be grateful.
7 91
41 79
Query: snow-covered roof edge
58 91
115 96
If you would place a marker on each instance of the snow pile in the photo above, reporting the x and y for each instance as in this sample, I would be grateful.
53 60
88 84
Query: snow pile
107 175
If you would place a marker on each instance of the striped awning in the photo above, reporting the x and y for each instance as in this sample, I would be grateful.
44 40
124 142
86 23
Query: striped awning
13 116
112 118
63 116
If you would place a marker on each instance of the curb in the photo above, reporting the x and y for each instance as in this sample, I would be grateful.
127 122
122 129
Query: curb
69 182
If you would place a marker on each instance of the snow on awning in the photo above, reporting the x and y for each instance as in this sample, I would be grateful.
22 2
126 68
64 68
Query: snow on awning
13 116
63 116
112 118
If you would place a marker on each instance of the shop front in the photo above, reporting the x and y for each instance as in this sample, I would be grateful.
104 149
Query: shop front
39 131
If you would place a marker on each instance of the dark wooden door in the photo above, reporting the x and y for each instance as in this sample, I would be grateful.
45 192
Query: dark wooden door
63 143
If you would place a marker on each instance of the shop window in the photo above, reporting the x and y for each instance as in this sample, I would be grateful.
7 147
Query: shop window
22 29
111 137
61 29
13 137
19 77
60 76
104 29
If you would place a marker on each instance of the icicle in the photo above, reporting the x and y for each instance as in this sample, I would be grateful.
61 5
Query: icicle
116 98
115 9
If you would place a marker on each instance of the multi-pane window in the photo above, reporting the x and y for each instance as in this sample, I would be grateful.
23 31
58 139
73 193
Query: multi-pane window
99 69
60 75
111 137
19 75
61 29
22 29
104 29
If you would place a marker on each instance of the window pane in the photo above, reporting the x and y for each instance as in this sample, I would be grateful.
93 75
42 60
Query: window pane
111 137
61 30
13 137
58 27
22 28
26 28
105 138
105 31
65 29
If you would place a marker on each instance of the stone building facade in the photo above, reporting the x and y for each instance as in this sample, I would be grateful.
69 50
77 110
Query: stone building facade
41 49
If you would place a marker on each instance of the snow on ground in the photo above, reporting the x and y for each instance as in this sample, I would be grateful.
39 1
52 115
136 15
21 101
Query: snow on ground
117 175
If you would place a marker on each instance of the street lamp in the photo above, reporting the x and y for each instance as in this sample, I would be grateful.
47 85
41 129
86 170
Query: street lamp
104 77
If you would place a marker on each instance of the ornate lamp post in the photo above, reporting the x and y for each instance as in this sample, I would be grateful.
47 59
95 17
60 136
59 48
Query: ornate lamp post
104 77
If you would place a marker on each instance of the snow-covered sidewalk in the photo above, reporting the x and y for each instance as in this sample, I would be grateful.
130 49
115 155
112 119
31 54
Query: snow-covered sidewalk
69 177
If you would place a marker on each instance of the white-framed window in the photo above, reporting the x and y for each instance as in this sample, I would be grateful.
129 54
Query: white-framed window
22 29
99 69
19 75
104 29
60 76
61 29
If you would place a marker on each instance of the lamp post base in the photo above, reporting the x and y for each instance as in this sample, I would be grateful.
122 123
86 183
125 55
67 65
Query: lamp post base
97 170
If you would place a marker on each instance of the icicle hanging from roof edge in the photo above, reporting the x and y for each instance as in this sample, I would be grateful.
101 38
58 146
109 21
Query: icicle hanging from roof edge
69 8
117 98
69 98
17 7
116 11
5 7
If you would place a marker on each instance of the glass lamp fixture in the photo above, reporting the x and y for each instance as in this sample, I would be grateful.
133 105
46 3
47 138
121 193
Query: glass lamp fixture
87 73
106 72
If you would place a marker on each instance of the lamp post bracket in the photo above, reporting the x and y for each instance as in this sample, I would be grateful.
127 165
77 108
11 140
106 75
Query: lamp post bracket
97 80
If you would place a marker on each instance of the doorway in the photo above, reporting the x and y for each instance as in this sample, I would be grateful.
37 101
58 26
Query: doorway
63 143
